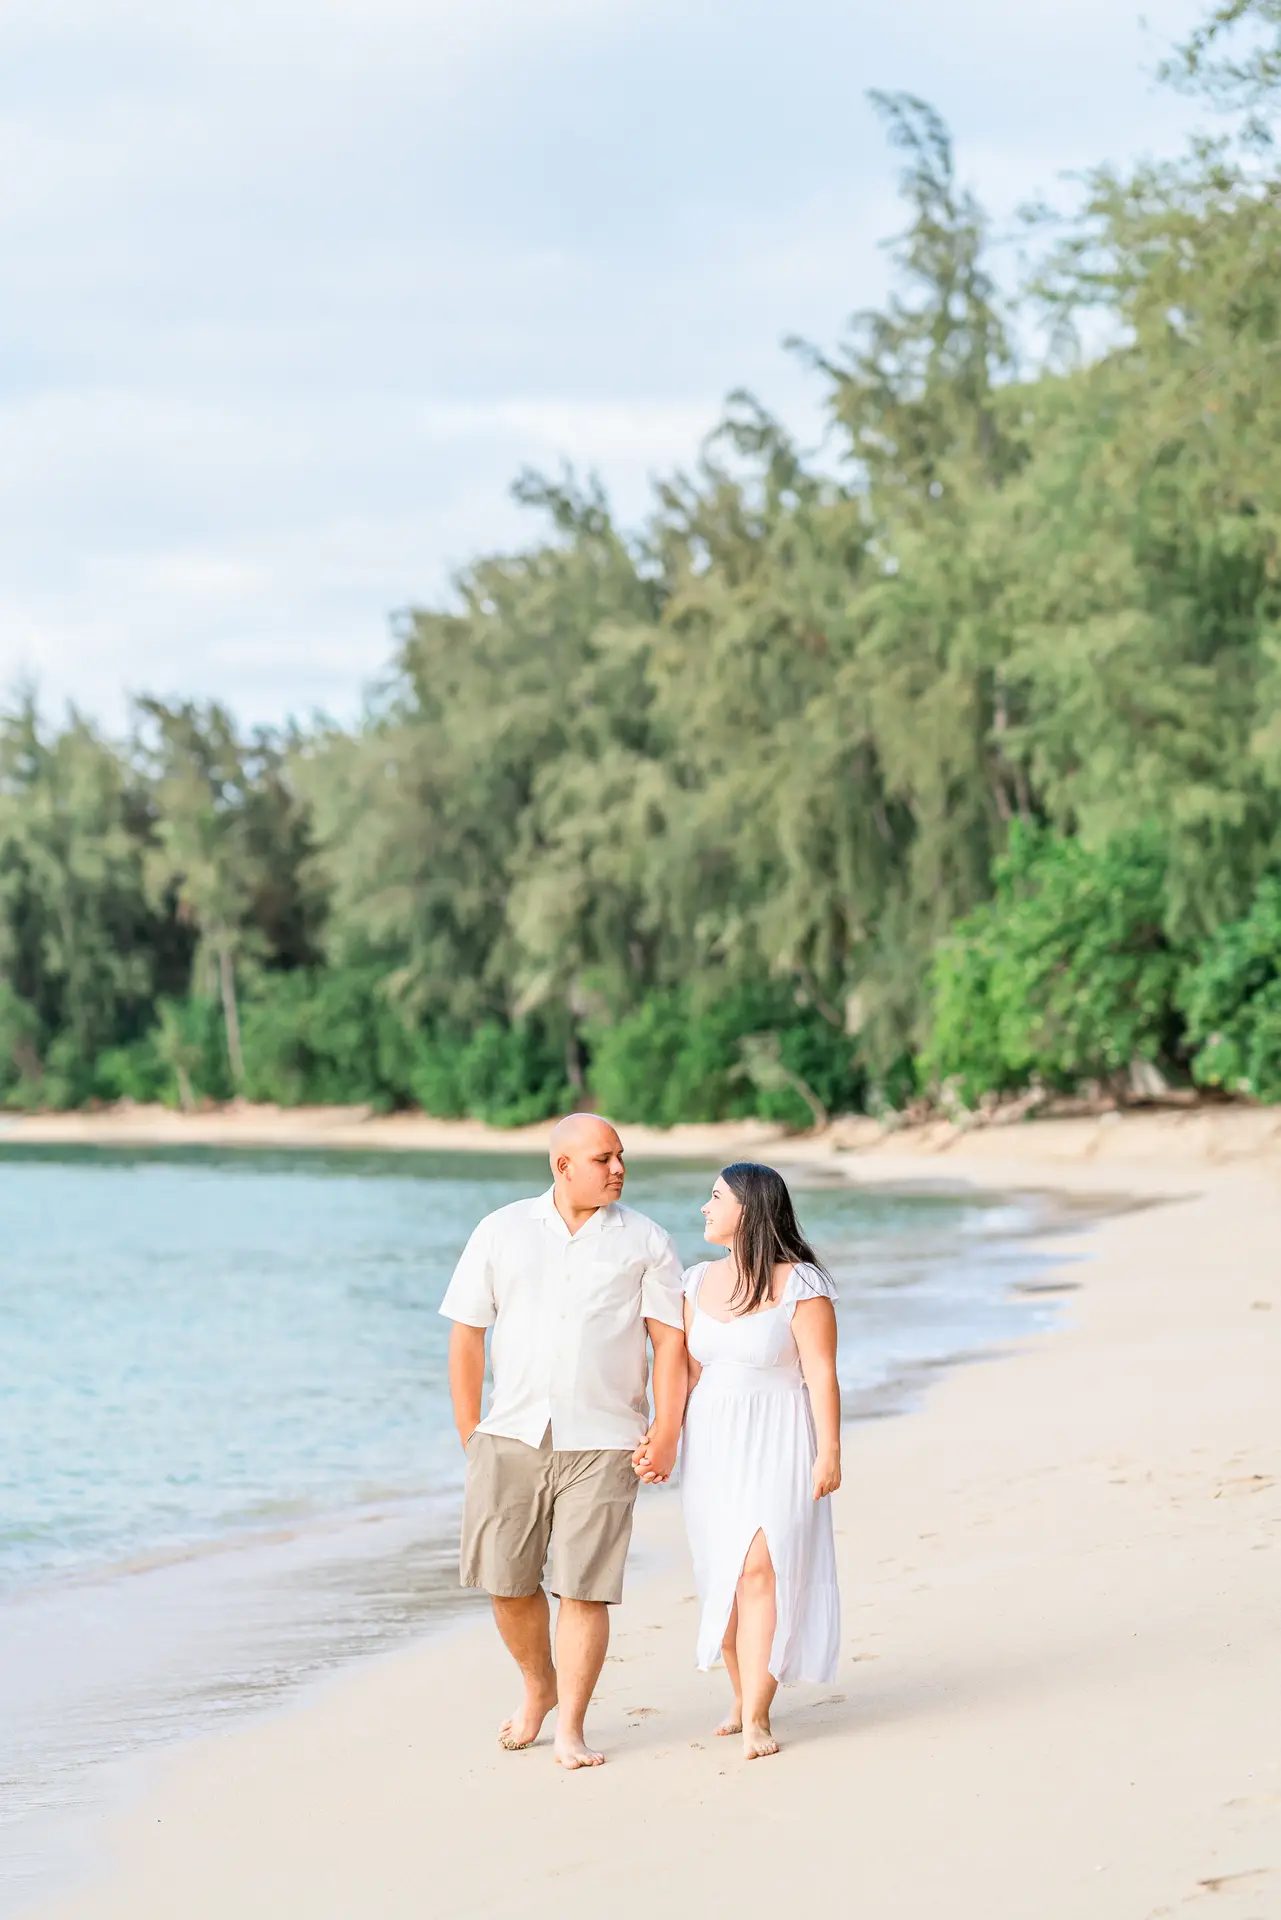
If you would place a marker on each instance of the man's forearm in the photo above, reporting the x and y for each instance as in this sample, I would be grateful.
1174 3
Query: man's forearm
466 1377
671 1387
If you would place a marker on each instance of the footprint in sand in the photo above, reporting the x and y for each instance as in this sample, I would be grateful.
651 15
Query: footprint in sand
1218 1881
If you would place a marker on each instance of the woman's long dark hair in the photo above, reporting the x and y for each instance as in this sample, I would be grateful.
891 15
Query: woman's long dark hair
768 1233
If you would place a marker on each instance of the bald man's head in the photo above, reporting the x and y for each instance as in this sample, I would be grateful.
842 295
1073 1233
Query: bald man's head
587 1161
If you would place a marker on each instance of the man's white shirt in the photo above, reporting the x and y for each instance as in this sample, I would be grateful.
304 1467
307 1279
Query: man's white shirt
568 1312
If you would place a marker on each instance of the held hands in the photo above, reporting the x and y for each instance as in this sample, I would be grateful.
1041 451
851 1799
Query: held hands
655 1457
827 1474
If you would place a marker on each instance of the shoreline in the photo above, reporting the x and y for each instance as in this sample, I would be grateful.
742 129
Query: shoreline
1160 1149
1060 1579
169 1597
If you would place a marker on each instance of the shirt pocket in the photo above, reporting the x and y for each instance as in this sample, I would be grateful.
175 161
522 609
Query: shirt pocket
609 1290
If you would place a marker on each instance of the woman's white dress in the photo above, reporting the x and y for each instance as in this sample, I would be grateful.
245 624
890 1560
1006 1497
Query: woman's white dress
747 1464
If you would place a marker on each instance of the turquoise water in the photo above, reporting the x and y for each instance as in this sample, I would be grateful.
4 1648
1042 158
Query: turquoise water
227 1455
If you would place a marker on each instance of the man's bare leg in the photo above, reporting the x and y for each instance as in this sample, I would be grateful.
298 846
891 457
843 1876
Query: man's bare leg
582 1637
525 1626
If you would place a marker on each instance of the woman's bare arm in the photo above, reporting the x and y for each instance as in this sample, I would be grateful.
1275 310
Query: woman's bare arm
695 1370
814 1325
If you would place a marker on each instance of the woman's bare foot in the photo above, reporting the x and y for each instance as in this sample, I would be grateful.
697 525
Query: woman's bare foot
733 1721
572 1751
758 1741
524 1727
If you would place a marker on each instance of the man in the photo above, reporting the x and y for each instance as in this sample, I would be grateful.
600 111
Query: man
570 1283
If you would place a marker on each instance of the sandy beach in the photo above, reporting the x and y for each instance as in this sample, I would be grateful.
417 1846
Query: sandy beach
1060 1693
1170 1147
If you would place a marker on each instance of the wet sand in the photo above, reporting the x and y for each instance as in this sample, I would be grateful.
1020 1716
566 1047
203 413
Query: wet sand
1060 1692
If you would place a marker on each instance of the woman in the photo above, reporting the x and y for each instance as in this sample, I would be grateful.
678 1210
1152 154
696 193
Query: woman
762 1449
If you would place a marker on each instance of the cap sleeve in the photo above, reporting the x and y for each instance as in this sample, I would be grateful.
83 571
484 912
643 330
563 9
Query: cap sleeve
692 1279
661 1282
806 1282
470 1296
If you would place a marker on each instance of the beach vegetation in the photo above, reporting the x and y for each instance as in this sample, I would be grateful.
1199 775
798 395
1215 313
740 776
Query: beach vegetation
941 763
1232 1002
1067 975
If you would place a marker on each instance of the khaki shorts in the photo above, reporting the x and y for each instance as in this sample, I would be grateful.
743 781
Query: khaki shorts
521 1500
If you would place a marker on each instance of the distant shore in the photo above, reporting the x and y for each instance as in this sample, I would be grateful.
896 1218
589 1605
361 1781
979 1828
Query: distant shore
1162 1143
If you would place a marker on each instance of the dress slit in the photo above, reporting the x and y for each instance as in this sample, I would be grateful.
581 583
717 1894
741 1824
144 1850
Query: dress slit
781 1612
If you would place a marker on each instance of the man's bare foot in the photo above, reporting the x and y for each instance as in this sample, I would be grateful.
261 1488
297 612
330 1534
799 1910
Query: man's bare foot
733 1721
758 1742
524 1727
574 1753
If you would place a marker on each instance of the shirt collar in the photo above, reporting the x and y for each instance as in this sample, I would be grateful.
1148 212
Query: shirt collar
600 1222
545 1209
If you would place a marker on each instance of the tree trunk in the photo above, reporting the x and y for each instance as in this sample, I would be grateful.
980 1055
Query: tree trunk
231 1013
574 1060
818 1112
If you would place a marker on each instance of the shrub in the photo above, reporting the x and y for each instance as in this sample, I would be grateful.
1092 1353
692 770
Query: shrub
511 1075
324 1039
135 1072
1065 975
965 1051
1232 1001
191 1045
337 1038
20 1065
678 1057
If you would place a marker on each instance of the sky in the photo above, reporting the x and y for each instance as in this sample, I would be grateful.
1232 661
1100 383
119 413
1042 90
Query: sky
289 293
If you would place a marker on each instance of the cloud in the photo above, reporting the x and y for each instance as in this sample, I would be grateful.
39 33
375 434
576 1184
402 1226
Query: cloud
581 430
290 291
278 595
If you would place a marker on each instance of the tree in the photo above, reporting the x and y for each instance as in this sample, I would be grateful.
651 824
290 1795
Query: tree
828 779
202 854
81 950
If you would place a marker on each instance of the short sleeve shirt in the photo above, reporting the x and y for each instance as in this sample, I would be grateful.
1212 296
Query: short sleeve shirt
568 1313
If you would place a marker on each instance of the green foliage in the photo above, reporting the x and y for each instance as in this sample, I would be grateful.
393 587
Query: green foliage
338 1036
322 1039
678 1059
508 1075
228 848
79 946
968 739
965 1049
1234 68
136 1072
1232 1001
20 1068
1065 975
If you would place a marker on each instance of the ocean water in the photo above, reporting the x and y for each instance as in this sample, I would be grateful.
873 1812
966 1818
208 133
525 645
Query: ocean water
226 1455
